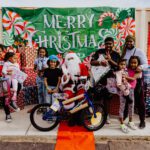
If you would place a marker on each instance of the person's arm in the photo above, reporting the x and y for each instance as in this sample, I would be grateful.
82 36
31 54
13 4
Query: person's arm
143 59
59 81
136 76
46 85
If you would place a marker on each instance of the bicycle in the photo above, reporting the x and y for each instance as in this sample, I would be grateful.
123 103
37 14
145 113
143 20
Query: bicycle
46 117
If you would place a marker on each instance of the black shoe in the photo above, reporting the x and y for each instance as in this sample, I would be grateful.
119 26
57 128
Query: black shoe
14 106
8 118
142 125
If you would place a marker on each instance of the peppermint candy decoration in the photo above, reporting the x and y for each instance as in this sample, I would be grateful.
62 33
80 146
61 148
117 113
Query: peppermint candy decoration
127 27
119 41
8 39
87 60
107 14
33 44
28 30
12 23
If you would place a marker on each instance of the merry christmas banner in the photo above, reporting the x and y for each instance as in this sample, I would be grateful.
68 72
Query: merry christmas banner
82 30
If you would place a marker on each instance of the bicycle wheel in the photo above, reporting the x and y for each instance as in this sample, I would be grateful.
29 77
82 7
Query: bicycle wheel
43 118
91 122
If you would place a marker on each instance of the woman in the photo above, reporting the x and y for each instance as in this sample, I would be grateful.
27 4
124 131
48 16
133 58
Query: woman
131 50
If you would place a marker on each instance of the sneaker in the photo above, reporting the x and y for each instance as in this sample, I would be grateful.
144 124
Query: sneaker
142 125
14 106
8 118
132 125
108 120
124 128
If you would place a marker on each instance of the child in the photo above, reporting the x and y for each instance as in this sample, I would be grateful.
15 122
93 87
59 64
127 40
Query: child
39 65
121 81
6 108
134 62
11 65
52 78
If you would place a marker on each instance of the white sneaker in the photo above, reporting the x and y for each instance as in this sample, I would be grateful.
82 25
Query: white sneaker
8 118
124 128
132 125
108 120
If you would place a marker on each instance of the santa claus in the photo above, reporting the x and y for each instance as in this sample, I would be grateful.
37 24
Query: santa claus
73 71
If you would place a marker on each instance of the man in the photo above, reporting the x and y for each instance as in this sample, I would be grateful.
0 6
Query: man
111 58
131 50
73 69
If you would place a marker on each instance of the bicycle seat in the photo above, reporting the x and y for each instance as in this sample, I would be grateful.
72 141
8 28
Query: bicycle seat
61 96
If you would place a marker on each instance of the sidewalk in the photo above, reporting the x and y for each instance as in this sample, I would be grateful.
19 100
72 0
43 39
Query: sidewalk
21 127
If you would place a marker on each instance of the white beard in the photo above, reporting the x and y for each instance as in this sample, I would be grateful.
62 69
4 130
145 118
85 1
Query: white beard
73 69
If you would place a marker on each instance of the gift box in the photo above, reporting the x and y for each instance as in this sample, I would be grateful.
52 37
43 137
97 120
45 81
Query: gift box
30 95
28 56
31 79
114 105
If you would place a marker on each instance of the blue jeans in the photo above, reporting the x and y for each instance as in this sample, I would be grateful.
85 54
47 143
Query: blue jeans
41 88
49 97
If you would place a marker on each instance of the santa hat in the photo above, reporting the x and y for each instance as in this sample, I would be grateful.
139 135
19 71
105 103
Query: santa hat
73 55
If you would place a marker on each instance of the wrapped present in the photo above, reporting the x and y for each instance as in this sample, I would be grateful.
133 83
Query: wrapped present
31 79
28 55
31 95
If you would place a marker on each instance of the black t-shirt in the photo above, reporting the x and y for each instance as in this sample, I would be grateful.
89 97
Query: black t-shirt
114 56
52 76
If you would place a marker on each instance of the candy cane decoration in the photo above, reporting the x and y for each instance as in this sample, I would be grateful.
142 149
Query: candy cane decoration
107 14
12 23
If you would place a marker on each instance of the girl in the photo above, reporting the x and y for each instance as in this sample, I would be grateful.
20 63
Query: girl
122 83
39 65
6 108
9 67
52 78
134 62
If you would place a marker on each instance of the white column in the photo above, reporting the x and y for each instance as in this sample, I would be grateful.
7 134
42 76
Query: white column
143 31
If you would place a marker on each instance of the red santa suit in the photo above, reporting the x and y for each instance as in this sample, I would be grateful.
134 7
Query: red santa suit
71 67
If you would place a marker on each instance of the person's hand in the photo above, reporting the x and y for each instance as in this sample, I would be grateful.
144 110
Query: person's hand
55 90
139 69
49 90
9 72
108 57
104 63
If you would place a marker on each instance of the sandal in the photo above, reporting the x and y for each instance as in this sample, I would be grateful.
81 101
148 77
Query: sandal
124 128
132 125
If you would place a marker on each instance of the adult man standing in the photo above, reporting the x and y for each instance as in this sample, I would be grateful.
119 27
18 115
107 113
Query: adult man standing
111 58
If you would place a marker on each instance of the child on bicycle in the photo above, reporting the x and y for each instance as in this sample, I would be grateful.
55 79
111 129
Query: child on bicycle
134 62
39 65
52 78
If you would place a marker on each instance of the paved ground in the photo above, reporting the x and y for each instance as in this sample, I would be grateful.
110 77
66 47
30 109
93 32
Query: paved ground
21 126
